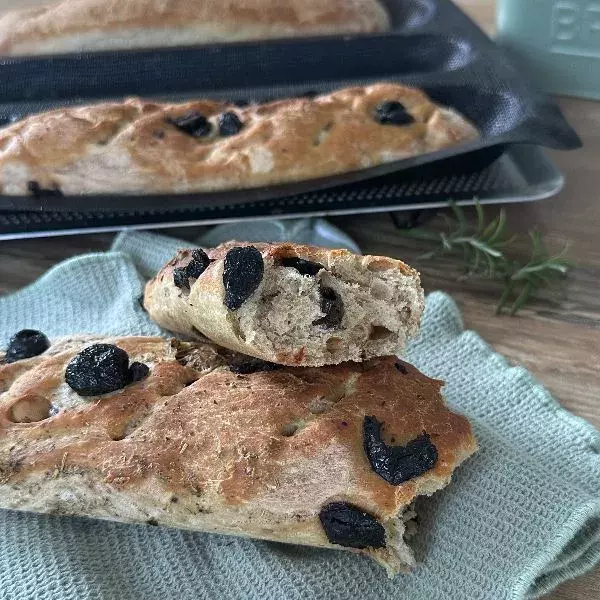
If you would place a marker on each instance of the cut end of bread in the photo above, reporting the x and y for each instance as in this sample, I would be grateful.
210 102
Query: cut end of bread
354 308
310 306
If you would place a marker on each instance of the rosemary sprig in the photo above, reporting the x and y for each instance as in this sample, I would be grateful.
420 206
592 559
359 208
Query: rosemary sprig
483 248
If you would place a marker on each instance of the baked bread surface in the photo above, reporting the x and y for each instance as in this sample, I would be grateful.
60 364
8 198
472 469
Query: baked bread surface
79 25
136 147
197 446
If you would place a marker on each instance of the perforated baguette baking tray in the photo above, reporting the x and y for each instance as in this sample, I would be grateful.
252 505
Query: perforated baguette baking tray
433 46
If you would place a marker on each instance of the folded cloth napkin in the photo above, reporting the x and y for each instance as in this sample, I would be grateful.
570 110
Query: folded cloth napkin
520 517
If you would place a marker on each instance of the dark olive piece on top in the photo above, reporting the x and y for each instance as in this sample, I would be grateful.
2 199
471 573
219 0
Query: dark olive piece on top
98 369
192 123
393 113
229 124
26 344
397 464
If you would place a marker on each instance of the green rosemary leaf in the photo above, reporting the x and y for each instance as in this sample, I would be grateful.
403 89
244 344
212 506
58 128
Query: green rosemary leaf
522 299
480 218
500 230
482 249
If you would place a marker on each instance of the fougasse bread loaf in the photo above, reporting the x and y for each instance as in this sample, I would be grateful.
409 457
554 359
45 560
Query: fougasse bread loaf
83 25
189 435
138 147
288 303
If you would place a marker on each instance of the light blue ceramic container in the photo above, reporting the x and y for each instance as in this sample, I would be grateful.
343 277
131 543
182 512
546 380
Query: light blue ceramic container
556 41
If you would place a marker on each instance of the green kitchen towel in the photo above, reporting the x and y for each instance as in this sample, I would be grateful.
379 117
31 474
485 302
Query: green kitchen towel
520 517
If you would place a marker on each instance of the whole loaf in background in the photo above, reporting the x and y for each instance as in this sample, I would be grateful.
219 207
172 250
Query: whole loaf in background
80 25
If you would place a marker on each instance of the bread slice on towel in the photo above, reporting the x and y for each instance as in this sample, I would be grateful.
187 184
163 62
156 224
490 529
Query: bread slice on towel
200 438
287 303
82 25
138 147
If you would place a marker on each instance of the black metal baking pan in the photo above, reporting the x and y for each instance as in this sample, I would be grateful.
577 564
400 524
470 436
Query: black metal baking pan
522 174
433 46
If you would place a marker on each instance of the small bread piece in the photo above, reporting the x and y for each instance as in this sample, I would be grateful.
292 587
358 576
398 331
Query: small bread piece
326 308
83 25
208 441
138 147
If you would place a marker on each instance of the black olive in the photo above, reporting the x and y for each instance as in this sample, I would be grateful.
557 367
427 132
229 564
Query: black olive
393 113
304 267
242 273
400 366
310 94
229 124
200 255
98 369
180 278
192 123
247 365
138 371
198 264
397 464
242 102
35 189
349 526
332 307
25 344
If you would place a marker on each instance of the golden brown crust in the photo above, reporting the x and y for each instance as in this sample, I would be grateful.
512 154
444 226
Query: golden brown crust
201 310
265 443
133 148
73 25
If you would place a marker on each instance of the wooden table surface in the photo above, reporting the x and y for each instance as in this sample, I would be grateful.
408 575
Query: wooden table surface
557 337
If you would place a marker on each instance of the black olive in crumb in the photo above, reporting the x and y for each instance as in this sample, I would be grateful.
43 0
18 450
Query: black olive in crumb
304 267
242 274
332 307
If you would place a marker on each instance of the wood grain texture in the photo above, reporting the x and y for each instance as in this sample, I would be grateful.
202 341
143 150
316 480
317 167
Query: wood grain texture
557 337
